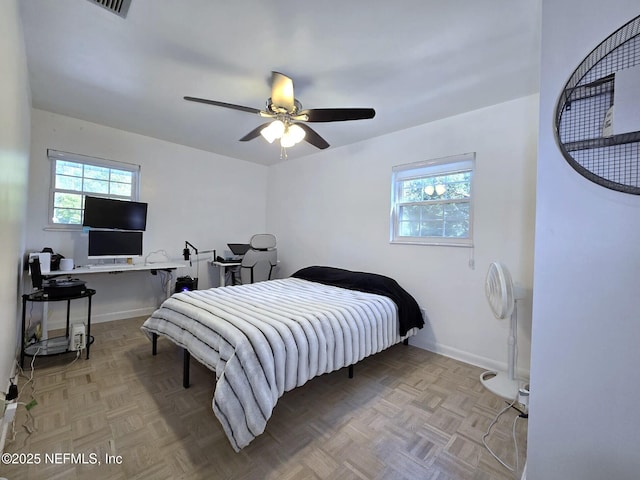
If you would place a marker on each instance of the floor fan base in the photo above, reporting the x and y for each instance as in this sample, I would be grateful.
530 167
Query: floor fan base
500 384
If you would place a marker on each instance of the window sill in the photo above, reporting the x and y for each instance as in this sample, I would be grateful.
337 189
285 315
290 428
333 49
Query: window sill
63 228
435 243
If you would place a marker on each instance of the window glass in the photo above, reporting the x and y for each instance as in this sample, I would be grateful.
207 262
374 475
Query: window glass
431 201
74 175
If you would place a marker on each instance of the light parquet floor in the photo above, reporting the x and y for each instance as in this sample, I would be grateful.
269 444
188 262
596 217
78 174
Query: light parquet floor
407 414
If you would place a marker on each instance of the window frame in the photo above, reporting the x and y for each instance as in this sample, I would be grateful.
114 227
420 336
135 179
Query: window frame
54 155
438 167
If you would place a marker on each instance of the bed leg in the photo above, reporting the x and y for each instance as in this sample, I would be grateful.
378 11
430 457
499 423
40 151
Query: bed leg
185 368
406 341
154 343
350 371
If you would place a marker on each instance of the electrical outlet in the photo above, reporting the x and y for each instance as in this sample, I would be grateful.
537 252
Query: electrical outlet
523 398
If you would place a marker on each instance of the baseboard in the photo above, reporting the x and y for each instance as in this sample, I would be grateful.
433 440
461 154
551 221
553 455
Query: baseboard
123 315
104 317
5 428
466 357
3 435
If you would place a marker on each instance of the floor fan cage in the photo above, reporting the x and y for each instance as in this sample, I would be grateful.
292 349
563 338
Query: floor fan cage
502 296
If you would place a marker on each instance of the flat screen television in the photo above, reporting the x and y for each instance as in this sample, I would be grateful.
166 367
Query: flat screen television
117 214
114 244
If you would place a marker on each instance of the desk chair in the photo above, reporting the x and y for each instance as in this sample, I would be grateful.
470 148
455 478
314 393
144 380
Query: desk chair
259 261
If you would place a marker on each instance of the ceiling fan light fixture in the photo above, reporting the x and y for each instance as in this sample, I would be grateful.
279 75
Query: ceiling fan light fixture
286 141
273 131
289 134
292 134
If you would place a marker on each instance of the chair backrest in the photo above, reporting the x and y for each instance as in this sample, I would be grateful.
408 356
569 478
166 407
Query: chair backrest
260 260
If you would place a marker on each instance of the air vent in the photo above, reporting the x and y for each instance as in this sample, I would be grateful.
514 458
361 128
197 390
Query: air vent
119 7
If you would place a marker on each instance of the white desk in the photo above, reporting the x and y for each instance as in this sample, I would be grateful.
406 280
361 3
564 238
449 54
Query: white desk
121 268
222 269
112 269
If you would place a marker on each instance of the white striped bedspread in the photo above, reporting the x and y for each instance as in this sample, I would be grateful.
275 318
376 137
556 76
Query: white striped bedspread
266 338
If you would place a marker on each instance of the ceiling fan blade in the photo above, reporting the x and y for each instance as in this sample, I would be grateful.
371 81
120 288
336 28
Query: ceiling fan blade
223 104
254 133
312 137
337 114
282 91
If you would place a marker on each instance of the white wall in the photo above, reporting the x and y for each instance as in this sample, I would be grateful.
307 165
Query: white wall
15 107
190 197
586 313
333 209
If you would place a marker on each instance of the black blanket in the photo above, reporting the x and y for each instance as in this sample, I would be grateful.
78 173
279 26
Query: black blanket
409 314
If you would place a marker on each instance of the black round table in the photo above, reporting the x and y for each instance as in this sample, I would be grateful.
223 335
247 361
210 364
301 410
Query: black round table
55 345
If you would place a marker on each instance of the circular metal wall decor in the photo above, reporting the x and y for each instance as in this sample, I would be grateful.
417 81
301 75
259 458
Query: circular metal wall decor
585 109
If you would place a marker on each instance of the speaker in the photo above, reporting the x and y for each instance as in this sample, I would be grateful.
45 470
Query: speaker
185 284
36 273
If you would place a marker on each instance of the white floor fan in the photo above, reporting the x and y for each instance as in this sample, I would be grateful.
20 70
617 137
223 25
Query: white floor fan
502 295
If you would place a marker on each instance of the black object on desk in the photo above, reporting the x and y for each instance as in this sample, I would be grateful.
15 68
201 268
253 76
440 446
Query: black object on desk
56 345
239 249
228 260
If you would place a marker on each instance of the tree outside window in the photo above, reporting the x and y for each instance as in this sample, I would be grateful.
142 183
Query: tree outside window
431 201
74 176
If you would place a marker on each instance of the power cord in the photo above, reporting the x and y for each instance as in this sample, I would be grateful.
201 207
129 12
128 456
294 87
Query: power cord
29 423
515 468
30 378
165 279
78 352
163 252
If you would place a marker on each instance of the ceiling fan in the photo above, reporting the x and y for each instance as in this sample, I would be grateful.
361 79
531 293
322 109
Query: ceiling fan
288 118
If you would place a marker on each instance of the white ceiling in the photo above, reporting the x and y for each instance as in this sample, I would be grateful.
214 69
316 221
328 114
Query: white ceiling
414 61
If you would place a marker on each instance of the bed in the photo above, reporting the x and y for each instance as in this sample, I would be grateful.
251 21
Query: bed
266 338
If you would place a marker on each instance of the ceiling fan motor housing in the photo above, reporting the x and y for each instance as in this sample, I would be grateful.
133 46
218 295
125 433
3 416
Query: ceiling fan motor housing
277 110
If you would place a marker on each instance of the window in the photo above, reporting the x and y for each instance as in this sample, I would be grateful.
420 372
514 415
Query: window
74 176
431 201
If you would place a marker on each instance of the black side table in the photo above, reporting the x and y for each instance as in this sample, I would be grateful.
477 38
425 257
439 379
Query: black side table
55 345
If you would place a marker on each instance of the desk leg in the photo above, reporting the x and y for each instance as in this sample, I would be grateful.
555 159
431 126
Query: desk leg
169 282
222 270
88 326
68 309
44 330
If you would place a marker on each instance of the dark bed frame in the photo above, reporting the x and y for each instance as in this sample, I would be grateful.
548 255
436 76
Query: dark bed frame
186 359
